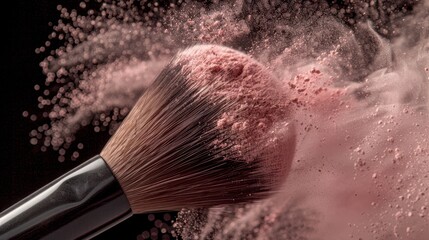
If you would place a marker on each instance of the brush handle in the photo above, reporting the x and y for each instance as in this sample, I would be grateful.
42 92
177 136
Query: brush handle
78 205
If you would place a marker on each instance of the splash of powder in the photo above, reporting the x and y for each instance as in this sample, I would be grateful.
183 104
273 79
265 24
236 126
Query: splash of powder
110 55
355 72
361 164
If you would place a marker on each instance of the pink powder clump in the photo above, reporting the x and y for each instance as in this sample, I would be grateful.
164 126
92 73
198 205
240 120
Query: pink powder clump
259 118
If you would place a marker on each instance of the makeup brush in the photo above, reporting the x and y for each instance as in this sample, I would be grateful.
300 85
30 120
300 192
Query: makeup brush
211 130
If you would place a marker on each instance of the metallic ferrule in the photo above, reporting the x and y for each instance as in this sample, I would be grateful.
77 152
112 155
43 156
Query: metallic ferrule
80 204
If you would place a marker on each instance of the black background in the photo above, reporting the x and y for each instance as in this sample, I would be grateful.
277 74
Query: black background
23 167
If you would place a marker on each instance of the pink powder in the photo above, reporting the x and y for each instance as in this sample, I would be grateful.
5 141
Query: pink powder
259 117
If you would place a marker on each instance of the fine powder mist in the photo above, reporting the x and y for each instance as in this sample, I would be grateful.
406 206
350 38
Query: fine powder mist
352 77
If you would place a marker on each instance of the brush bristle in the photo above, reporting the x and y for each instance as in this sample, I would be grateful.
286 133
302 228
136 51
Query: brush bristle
163 153
211 130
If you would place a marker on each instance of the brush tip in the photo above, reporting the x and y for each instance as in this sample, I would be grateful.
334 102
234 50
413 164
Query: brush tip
259 117
212 129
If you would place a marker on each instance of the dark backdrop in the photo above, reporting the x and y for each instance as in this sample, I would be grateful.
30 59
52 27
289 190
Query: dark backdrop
23 167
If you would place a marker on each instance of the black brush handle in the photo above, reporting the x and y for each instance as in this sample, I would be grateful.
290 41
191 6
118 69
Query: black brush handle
78 205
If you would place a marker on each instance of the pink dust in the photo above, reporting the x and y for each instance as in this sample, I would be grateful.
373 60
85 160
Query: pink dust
349 83
109 56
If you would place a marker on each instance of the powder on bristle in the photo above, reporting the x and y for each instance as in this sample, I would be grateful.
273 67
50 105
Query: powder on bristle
258 121
260 106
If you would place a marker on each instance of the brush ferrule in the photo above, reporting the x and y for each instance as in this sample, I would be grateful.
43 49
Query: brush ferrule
78 205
